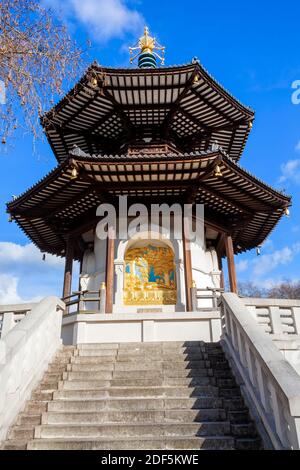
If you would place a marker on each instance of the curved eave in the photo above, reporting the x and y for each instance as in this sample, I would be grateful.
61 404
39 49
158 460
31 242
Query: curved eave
103 118
58 203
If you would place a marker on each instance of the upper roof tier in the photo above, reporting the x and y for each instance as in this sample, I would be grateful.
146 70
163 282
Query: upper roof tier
109 110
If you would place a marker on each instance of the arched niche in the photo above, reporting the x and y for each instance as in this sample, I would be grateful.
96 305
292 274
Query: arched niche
150 273
154 235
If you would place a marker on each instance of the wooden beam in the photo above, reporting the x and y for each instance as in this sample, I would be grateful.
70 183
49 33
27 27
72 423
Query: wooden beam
110 257
187 266
230 264
175 106
68 267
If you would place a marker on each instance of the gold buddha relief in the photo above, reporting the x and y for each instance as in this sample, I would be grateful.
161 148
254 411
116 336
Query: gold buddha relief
150 276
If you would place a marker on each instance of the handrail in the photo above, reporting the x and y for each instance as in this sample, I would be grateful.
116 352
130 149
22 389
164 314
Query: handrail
269 382
10 315
213 296
80 298
17 308
278 317
25 353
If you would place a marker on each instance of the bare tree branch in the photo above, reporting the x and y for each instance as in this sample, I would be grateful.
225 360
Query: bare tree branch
37 57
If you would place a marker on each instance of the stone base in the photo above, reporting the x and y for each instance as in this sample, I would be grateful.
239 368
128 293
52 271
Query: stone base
141 327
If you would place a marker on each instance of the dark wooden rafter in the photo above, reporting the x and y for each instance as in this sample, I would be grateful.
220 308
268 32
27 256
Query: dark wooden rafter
102 140
232 202
198 137
122 115
217 110
84 107
175 106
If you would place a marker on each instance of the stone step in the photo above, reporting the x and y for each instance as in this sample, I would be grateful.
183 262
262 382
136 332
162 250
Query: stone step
137 392
52 376
166 365
42 395
99 367
142 382
243 430
49 385
137 355
134 404
102 346
238 417
21 432
15 444
27 419
232 392
34 407
168 344
52 369
168 369
165 395
158 361
191 443
232 404
150 416
248 444
136 430
149 346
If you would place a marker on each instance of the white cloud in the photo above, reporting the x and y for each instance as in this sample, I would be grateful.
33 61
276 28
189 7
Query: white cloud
12 253
25 277
290 172
242 266
297 148
104 19
268 262
9 291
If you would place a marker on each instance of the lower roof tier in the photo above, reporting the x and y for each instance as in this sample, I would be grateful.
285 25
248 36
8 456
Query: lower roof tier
64 202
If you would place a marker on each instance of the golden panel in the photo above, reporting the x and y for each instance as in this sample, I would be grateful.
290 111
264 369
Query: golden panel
150 276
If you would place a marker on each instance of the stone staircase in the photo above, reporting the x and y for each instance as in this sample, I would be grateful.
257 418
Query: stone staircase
136 396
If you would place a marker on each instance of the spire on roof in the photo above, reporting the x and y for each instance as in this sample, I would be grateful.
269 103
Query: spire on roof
147 47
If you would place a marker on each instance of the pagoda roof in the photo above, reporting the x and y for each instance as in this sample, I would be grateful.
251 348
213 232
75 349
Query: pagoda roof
59 206
109 108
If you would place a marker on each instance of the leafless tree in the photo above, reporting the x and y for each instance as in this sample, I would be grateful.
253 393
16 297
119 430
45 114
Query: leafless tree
37 57
249 289
285 290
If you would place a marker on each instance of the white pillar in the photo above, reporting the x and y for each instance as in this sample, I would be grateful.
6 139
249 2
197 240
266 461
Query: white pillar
119 285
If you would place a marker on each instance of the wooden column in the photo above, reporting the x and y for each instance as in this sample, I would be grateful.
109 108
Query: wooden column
187 267
68 267
230 264
110 258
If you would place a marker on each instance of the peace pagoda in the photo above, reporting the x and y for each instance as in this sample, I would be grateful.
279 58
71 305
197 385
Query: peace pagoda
151 351
157 135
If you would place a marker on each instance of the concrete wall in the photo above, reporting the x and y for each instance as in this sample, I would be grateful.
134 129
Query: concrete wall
271 387
25 353
115 328
280 318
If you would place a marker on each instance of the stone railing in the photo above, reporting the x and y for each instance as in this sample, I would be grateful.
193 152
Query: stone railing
25 352
276 316
270 386
10 315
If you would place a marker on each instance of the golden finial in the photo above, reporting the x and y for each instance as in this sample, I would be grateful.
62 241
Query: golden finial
148 46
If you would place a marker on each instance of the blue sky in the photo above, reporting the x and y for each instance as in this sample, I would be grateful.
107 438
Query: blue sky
251 49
